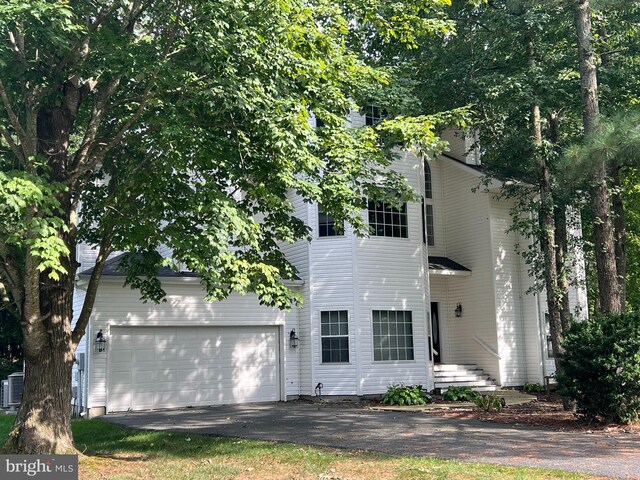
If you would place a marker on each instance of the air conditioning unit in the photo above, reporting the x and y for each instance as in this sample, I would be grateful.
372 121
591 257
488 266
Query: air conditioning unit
16 385
4 394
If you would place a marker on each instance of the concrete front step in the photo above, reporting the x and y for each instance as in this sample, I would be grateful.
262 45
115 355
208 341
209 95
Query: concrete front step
460 378
462 375
442 367
485 388
472 383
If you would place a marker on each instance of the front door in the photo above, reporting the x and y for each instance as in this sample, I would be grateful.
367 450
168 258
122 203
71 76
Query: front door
435 332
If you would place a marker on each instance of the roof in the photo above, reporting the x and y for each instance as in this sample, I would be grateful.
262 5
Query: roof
112 269
446 266
478 168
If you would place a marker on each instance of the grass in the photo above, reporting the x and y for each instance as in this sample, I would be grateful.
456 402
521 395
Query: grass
113 452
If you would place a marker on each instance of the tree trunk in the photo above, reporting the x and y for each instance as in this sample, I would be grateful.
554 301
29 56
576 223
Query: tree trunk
608 288
562 236
562 248
620 232
42 425
546 221
43 422
547 229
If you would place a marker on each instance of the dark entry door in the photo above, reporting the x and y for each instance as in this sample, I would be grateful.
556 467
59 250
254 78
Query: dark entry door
435 332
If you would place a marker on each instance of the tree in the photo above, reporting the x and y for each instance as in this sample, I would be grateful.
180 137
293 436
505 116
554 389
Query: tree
510 61
605 251
181 123
485 65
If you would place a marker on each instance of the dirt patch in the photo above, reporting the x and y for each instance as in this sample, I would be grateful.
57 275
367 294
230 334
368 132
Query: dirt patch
543 412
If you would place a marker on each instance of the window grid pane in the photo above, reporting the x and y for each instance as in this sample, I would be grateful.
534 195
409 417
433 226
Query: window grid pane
428 218
392 335
387 221
327 226
334 330
373 114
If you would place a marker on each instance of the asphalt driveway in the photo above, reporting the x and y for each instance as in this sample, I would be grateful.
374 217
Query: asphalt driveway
615 455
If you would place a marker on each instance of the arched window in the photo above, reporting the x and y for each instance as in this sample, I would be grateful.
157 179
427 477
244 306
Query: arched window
428 235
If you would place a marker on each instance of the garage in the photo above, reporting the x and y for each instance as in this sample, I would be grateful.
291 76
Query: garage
168 367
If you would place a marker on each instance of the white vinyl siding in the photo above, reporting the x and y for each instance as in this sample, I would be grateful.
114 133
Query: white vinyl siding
331 288
468 239
298 254
390 276
509 293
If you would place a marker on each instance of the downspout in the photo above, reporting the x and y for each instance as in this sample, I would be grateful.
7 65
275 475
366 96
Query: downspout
426 284
542 336
522 321
356 311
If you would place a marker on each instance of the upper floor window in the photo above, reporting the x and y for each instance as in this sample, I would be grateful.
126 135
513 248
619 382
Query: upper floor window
388 221
334 335
327 226
429 228
373 114
428 190
392 335
428 235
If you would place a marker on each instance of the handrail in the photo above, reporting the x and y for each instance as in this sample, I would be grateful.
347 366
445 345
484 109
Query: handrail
487 347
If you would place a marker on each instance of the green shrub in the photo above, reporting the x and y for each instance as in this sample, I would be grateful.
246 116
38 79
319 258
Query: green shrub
533 387
602 367
405 395
490 402
460 394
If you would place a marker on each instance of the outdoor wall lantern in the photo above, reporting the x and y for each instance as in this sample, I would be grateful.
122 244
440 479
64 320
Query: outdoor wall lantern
458 310
293 339
100 343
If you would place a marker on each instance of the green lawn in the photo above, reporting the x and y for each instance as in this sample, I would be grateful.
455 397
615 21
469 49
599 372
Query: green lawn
113 452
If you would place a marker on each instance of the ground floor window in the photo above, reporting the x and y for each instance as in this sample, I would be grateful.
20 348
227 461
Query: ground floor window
334 335
392 335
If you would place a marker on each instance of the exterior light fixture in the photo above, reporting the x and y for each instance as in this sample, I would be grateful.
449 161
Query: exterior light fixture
293 339
101 343
458 310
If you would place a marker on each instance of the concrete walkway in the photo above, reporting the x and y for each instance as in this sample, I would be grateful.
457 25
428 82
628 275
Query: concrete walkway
615 455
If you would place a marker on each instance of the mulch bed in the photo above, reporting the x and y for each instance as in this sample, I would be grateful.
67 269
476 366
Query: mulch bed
547 413
544 412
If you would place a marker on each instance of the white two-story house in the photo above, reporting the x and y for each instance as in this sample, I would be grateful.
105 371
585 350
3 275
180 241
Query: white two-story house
436 295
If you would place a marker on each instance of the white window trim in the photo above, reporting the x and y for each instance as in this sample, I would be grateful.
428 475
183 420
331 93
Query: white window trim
373 343
348 335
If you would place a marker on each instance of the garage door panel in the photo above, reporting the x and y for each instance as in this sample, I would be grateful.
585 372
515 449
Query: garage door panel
140 377
163 367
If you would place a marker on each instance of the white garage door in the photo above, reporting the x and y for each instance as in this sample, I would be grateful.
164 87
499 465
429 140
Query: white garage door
164 367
